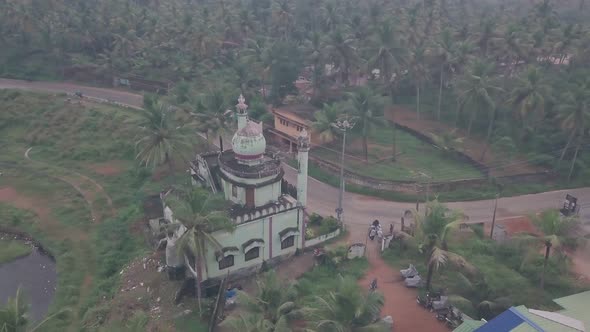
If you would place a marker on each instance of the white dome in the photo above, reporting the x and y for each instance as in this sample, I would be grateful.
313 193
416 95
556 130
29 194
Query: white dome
249 143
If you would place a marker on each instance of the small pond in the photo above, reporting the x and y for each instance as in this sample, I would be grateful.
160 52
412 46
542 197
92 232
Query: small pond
36 275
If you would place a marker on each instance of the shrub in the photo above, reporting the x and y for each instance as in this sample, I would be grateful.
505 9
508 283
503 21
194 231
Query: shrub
315 219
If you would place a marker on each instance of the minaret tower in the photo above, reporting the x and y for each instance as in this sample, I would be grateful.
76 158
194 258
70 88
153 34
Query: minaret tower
242 112
302 155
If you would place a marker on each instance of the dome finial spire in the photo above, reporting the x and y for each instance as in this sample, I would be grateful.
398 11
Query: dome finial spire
242 104
242 112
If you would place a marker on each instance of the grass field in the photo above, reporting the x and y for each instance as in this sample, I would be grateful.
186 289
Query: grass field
80 195
12 249
412 155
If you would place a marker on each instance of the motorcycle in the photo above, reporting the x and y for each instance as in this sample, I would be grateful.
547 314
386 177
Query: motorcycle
424 301
373 285
427 300
442 315
454 318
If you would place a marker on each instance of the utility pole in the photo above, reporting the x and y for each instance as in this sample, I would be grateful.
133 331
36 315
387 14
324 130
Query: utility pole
343 126
494 216
420 176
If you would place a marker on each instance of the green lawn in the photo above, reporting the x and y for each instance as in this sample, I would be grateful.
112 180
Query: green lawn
68 140
13 249
413 155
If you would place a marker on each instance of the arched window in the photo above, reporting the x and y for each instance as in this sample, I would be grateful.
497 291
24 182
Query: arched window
253 253
288 242
226 262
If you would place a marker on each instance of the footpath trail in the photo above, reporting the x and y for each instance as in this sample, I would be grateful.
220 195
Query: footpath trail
91 190
400 302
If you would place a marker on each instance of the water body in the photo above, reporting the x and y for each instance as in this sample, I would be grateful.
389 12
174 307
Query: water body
36 275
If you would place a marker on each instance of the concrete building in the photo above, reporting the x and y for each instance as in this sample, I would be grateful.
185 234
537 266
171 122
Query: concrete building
289 122
269 219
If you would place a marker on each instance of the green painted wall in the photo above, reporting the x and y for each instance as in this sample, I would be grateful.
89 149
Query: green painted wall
254 230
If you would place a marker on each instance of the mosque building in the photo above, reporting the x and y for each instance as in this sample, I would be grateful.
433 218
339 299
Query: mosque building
269 217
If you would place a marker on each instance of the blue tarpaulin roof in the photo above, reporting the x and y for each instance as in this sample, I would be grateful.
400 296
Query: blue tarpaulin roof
507 321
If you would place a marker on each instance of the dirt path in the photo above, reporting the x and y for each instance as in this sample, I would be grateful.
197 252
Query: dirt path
80 183
48 223
400 302
472 147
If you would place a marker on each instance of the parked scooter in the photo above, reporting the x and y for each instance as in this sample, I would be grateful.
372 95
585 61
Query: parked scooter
426 301
373 285
441 315
454 318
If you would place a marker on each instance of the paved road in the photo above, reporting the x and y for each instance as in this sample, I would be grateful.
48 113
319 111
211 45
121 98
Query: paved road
359 210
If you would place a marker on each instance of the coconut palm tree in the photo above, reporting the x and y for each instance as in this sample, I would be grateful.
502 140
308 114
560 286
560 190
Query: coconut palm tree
419 73
476 91
202 214
432 230
249 322
14 315
530 96
273 307
367 108
439 258
315 56
212 115
556 229
340 48
257 53
346 309
386 51
160 135
323 125
446 55
574 116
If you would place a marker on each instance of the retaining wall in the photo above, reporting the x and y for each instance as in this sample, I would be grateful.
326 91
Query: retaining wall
413 187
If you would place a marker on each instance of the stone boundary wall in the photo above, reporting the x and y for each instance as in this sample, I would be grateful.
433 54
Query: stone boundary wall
456 154
414 187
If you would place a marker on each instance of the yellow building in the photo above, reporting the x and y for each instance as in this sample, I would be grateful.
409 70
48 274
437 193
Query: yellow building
290 121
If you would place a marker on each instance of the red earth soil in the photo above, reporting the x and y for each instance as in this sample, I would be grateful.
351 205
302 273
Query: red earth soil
516 225
400 302
11 196
108 168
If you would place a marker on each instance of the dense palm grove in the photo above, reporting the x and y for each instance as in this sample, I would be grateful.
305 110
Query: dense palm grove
512 72
481 56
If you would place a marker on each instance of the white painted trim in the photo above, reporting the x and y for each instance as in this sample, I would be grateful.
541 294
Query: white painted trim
255 244
224 254
289 233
